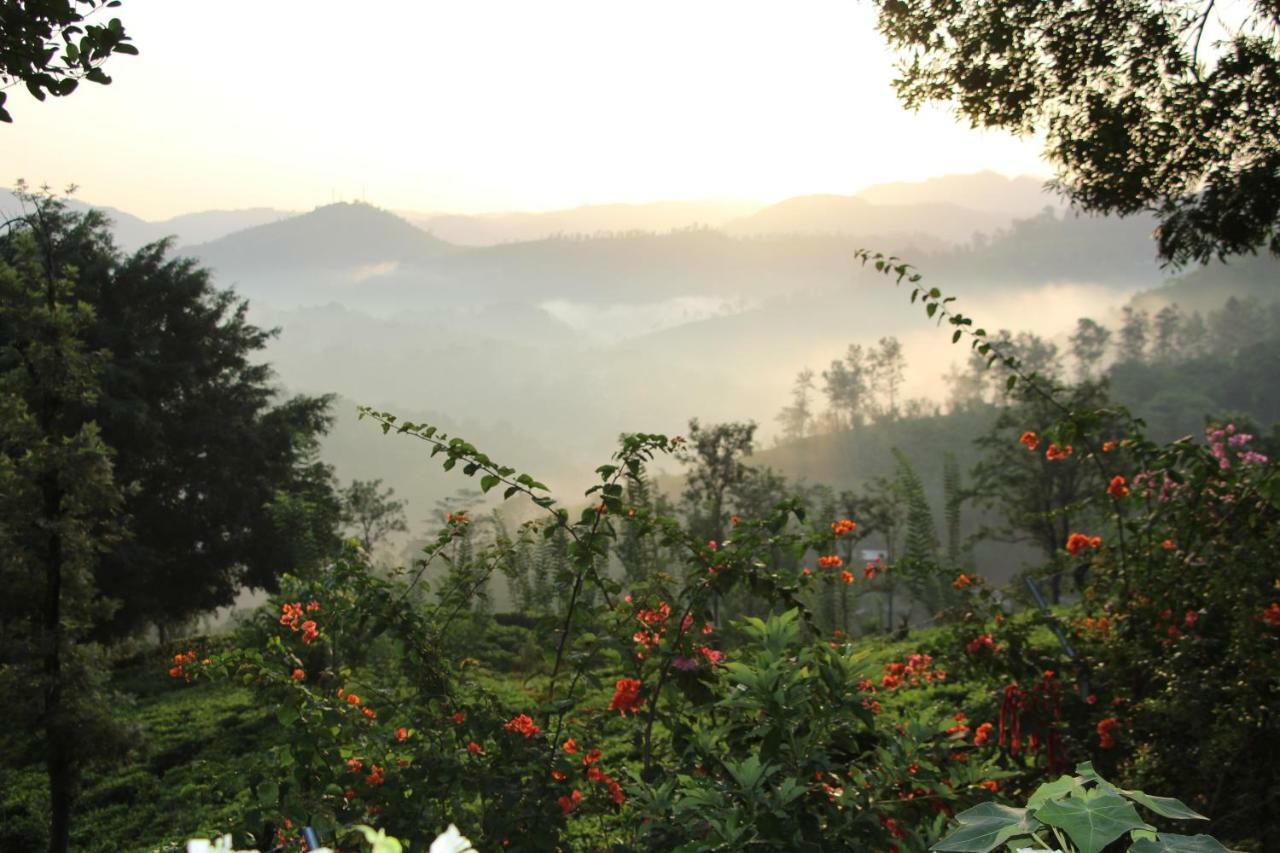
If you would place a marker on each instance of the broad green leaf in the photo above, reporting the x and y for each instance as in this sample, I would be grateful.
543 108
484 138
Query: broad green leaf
1164 806
1053 790
1094 820
1168 843
986 827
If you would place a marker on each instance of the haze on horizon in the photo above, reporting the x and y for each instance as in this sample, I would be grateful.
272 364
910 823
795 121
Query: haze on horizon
491 105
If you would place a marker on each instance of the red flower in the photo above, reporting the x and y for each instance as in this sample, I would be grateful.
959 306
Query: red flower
591 758
1105 739
1029 440
843 526
369 712
474 748
1057 454
991 785
962 581
298 675
571 746
626 696
522 724
459 717
831 562
1108 446
1078 542
1167 545
1118 488
869 571
1272 614
982 734
402 734
309 631
569 803
846 576
353 699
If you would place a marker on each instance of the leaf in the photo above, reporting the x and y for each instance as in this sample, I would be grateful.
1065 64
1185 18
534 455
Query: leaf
1053 790
1094 820
488 481
268 794
986 827
1164 806
1168 843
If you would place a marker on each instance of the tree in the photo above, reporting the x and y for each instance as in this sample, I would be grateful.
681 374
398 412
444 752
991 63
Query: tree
887 366
50 46
1133 335
1164 334
202 441
59 504
1088 346
1143 108
372 512
797 417
714 456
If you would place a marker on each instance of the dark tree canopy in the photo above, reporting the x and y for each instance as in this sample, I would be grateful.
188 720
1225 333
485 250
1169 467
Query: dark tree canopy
1170 107
203 449
51 45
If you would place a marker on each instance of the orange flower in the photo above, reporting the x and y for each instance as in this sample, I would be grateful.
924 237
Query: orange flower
626 696
569 803
1105 728
735 520
522 724
1167 545
1078 542
591 758
846 576
869 571
982 733
459 717
1108 446
1056 453
402 734
833 561
1118 488
355 765
571 746
1029 440
558 775
369 712
962 581
298 675
991 785
474 748
1272 614
843 526
353 699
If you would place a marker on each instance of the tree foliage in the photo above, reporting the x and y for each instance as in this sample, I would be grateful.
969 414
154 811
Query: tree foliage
1167 107
51 45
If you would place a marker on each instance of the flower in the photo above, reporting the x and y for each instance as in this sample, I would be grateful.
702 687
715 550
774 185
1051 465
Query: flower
591 758
833 561
626 696
1167 545
474 748
869 571
1078 542
522 724
369 712
843 526
1029 440
569 803
846 576
1055 453
991 785
982 734
1272 614
298 675
309 631
353 699
571 746
1118 488
402 734
962 581
452 841
1105 728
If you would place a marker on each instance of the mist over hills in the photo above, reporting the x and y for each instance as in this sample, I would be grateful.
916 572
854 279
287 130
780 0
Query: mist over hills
546 349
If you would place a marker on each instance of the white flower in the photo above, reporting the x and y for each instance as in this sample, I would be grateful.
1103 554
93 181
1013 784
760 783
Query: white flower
451 841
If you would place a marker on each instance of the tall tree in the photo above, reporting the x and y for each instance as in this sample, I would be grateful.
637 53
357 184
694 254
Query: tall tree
372 511
1134 334
1088 346
797 418
200 436
888 366
59 505
1143 107
714 456
1164 334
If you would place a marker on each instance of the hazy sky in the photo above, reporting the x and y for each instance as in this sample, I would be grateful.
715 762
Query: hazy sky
477 105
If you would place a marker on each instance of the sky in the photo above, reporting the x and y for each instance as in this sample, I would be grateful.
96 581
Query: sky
489 105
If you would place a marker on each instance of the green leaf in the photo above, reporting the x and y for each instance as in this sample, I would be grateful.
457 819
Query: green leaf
1094 820
986 827
1164 806
268 794
488 481
1167 843
1054 790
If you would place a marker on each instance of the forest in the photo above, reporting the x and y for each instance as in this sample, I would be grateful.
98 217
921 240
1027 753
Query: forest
975 581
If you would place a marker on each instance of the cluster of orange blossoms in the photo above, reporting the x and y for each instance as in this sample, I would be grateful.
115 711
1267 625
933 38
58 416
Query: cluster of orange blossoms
180 661
458 518
291 615
1100 626
982 734
847 576
1078 542
1029 440
962 581
1106 739
833 561
843 526
522 724
1118 488
870 570
980 642
917 670
569 803
1054 453
626 696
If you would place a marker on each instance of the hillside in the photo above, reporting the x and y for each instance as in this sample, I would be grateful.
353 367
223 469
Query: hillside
932 225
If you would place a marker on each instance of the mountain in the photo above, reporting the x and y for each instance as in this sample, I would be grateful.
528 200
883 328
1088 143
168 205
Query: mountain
493 228
986 191
927 225
350 237
190 229
1206 288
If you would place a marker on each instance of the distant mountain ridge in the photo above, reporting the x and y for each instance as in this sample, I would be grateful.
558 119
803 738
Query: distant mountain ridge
926 222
